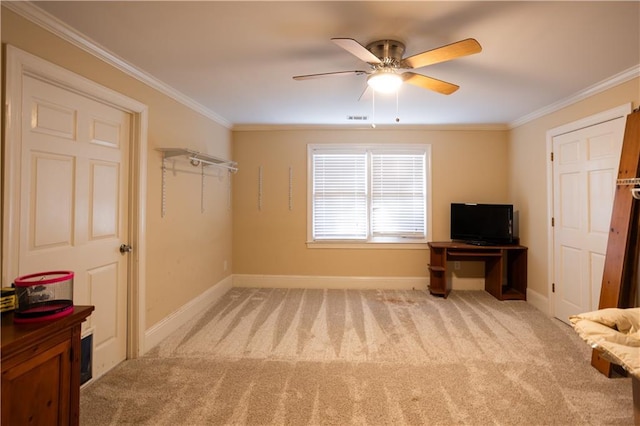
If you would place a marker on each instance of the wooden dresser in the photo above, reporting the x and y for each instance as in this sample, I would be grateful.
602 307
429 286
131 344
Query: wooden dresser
41 370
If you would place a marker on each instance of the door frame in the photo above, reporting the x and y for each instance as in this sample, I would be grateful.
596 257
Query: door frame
20 63
601 117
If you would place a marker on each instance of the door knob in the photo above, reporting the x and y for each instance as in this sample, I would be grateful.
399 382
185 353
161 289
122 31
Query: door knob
125 248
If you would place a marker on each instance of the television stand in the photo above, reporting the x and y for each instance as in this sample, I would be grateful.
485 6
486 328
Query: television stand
505 268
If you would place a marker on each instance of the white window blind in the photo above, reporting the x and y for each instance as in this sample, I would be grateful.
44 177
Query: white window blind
339 196
369 193
398 195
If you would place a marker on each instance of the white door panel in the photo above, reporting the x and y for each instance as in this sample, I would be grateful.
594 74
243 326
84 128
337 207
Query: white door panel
52 190
104 194
74 204
584 176
571 270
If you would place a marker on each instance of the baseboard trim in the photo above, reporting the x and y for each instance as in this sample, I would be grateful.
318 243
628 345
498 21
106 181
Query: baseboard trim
329 282
538 301
162 329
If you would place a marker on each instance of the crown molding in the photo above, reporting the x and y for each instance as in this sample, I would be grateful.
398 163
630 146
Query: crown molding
45 20
603 85
379 127
50 23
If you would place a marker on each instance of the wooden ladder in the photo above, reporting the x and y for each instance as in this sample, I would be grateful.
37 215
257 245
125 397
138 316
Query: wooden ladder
619 284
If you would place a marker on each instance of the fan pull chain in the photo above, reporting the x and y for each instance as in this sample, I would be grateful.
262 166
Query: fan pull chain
397 107
373 113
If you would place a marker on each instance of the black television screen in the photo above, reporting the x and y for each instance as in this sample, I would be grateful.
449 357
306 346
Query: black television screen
483 224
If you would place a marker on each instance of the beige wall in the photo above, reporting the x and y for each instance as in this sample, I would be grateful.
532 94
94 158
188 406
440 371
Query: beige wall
186 249
528 172
467 166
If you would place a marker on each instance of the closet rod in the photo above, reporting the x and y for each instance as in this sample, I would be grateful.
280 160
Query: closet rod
233 169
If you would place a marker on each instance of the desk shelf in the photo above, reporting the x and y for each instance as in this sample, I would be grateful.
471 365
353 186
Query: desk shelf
479 253
505 268
509 293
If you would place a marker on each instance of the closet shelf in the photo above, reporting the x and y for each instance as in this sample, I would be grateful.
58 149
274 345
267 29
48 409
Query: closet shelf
198 158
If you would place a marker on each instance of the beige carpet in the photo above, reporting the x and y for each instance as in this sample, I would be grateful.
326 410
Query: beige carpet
277 356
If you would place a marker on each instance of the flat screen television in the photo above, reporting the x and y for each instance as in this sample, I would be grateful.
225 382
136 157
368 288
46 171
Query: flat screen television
483 224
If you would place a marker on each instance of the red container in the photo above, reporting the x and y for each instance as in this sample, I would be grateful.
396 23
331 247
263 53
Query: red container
43 296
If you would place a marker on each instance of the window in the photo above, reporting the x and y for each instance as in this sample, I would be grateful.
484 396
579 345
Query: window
368 194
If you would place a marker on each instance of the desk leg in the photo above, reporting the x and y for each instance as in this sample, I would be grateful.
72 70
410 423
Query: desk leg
493 276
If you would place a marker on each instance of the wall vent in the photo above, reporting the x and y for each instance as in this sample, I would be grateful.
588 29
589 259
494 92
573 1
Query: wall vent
357 117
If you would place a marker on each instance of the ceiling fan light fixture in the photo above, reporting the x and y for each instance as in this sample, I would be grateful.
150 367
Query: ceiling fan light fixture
385 81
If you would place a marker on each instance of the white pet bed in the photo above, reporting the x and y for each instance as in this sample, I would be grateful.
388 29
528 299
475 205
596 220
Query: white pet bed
615 333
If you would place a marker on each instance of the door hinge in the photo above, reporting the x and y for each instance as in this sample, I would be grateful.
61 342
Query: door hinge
552 156
553 287
553 222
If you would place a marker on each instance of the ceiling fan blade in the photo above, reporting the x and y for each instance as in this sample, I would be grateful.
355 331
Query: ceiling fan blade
328 74
356 49
429 83
460 48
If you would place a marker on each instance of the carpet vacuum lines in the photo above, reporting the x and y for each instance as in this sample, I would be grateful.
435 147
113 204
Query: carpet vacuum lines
343 357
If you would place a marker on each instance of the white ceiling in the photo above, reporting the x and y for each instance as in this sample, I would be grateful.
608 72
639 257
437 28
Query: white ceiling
237 58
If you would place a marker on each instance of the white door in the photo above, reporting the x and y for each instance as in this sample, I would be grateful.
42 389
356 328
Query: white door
74 203
585 168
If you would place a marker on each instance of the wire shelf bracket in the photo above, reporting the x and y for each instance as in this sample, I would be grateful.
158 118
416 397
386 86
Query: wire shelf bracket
635 192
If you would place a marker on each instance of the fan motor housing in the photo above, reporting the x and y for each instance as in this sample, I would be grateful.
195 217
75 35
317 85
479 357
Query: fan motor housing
387 50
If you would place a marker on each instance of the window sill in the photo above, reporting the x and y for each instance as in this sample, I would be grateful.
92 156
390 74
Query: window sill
387 244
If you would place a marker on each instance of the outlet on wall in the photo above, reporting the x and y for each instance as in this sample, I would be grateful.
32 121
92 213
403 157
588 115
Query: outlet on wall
224 265
456 265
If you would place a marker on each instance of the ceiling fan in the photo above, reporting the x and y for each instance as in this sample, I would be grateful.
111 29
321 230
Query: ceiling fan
385 60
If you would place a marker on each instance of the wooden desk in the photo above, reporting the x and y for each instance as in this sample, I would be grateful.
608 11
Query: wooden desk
41 370
505 268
